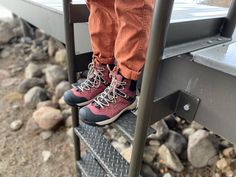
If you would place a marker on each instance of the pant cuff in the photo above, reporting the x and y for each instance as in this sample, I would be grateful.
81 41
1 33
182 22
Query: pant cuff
129 74
104 60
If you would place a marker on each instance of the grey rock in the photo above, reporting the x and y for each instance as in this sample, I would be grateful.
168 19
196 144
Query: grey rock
150 152
167 175
46 135
16 125
229 152
34 96
61 88
54 75
53 46
46 155
6 33
32 127
170 158
27 84
176 141
61 57
201 148
66 113
147 171
62 104
33 70
37 55
162 131
47 118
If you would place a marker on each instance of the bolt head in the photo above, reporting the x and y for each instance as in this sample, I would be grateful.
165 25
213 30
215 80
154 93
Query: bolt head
187 107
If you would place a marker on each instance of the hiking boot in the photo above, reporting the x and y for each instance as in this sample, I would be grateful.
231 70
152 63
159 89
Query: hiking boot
117 98
97 80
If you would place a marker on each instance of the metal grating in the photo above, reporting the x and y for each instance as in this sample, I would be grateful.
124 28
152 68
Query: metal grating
126 125
112 162
90 167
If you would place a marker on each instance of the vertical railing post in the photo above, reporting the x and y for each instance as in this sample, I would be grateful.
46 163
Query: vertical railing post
70 47
160 23
230 23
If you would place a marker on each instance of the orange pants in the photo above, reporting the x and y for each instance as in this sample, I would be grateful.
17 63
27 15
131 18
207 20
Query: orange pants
120 29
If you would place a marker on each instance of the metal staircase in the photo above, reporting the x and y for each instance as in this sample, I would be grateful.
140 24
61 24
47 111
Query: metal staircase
102 158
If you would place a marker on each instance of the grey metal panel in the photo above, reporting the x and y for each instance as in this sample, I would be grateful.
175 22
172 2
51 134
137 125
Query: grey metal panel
215 89
221 57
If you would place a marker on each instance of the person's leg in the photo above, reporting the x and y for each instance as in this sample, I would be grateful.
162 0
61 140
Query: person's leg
103 31
134 21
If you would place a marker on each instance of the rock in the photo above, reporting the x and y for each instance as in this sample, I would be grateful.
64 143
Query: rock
200 148
150 153
147 171
233 164
70 134
54 75
162 131
167 175
6 33
46 155
9 82
67 113
126 153
154 143
68 122
176 142
171 121
118 146
47 103
61 57
3 74
62 104
61 88
222 164
229 152
16 125
188 131
53 46
29 83
32 70
122 140
32 127
37 55
47 117
196 125
228 172
170 158
34 96
46 135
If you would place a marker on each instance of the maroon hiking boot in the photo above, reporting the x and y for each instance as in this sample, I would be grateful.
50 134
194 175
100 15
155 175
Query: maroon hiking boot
117 98
97 80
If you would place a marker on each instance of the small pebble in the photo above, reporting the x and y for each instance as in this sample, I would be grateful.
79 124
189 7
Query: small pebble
16 125
46 155
46 135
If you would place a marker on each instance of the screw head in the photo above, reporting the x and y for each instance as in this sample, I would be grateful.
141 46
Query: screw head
187 107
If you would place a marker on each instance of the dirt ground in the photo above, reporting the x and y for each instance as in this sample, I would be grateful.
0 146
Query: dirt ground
21 152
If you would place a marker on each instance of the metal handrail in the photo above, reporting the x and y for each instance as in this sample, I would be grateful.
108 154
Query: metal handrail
160 23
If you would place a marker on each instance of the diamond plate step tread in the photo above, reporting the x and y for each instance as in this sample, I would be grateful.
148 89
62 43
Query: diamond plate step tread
90 167
126 125
112 162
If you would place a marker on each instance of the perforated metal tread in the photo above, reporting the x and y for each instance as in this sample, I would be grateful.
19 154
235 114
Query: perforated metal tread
112 162
126 125
90 167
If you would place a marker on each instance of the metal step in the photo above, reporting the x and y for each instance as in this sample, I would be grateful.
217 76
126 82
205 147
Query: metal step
90 167
126 125
112 162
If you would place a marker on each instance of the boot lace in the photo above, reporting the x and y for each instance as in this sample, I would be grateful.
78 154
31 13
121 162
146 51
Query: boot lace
111 93
94 78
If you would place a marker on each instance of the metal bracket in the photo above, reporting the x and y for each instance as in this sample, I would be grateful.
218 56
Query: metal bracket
179 103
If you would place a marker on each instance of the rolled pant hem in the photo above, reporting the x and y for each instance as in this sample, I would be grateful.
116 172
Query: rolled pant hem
129 74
